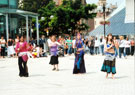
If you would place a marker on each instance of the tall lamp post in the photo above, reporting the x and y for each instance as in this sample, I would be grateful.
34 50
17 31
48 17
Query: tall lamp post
104 18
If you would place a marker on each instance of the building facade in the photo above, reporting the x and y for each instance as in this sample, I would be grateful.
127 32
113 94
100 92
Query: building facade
58 2
14 21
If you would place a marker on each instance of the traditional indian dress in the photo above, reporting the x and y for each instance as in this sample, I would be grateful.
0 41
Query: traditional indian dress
109 62
79 65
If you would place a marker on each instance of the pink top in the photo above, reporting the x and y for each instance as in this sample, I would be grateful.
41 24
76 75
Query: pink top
23 47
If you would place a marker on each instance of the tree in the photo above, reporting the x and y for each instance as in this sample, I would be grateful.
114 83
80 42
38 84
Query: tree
33 5
46 12
61 19
68 15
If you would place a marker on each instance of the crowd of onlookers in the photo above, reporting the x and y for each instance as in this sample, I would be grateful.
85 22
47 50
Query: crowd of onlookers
93 46
122 46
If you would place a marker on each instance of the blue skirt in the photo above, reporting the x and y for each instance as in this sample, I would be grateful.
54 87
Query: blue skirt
79 65
109 66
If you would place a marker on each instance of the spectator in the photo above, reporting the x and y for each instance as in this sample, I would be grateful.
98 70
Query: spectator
69 43
121 47
132 47
48 43
97 46
10 47
74 48
116 48
102 42
127 46
91 46
3 46
42 41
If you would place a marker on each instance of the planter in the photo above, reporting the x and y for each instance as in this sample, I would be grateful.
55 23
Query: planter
105 22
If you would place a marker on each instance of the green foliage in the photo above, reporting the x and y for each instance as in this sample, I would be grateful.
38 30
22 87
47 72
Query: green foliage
65 17
33 5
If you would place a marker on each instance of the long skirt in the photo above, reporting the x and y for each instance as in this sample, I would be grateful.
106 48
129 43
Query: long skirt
54 60
79 65
11 50
109 66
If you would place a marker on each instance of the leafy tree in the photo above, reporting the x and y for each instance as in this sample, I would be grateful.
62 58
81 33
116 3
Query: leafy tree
61 19
33 5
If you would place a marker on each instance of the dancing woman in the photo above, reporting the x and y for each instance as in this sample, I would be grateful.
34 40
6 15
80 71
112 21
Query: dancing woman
109 62
21 49
54 53
79 65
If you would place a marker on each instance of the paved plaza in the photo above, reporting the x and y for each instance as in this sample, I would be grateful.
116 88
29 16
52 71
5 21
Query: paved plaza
44 81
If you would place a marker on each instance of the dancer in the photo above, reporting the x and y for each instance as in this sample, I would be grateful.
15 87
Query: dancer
109 62
54 53
79 65
21 49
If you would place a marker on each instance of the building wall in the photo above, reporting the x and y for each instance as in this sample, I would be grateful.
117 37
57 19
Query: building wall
8 3
58 2
130 11
91 24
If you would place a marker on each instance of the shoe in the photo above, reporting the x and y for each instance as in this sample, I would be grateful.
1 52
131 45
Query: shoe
54 69
26 75
57 70
21 75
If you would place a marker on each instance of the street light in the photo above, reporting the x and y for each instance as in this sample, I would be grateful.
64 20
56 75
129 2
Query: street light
42 18
51 16
104 18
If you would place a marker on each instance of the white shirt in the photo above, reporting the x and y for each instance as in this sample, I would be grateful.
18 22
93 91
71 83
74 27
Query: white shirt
97 43
127 44
37 49
2 41
103 42
49 41
122 43
73 43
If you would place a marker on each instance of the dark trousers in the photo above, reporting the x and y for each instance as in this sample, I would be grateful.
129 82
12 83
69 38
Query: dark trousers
121 51
96 50
132 50
91 50
102 49
3 51
127 51
23 69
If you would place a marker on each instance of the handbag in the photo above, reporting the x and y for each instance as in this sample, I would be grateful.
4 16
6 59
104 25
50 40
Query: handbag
25 58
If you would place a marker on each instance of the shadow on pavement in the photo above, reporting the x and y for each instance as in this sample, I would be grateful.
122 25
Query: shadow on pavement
121 77
36 75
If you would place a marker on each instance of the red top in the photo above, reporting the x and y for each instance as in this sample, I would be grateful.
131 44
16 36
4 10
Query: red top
132 43
22 47
59 40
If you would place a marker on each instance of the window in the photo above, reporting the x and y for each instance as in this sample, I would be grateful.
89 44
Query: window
3 2
13 3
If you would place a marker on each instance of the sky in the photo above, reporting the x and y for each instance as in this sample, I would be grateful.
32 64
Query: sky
108 1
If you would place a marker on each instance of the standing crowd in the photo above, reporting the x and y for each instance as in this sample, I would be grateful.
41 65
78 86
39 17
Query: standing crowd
108 46
92 46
